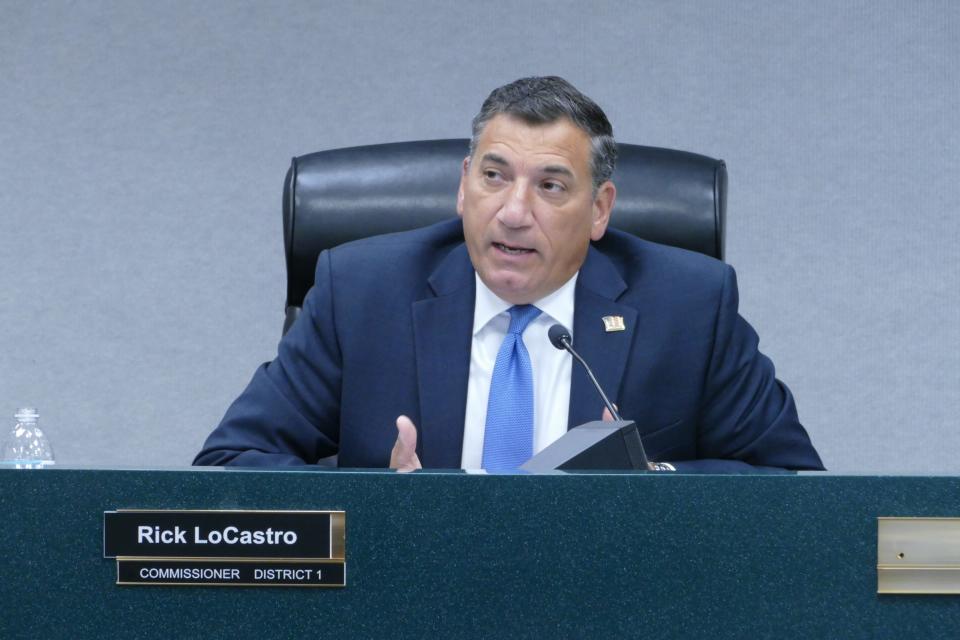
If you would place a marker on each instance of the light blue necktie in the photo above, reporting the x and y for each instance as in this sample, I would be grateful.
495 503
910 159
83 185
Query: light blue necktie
508 438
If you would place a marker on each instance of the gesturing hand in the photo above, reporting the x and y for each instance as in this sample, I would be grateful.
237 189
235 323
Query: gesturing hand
404 458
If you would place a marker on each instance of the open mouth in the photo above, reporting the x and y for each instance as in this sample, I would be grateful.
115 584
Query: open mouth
513 251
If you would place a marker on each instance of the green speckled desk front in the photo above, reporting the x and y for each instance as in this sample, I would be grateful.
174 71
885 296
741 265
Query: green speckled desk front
452 555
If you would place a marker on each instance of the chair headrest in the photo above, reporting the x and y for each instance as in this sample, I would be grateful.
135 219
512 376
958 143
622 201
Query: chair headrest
331 197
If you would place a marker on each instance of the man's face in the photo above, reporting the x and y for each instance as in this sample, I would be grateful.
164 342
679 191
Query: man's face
528 208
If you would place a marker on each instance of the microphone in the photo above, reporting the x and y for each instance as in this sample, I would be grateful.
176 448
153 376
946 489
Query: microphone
594 445
560 338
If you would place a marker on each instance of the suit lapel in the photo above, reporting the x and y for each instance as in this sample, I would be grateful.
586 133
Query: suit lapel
598 287
443 334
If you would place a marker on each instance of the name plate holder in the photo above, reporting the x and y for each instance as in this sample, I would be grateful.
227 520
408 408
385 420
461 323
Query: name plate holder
240 548
918 556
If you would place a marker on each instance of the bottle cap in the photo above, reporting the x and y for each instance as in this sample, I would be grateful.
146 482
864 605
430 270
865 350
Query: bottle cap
26 413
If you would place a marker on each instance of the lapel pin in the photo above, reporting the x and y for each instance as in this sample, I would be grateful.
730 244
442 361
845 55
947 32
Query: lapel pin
613 323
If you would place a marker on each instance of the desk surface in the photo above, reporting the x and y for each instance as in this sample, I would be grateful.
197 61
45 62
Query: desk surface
452 555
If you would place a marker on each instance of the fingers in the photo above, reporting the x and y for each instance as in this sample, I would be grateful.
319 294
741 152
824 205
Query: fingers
404 455
607 416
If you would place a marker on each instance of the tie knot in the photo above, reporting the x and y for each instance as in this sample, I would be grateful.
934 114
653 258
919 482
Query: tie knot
520 316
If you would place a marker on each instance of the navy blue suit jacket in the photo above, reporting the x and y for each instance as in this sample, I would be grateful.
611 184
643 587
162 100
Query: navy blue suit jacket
386 330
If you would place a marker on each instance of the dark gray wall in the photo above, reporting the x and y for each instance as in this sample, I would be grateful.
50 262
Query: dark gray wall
143 146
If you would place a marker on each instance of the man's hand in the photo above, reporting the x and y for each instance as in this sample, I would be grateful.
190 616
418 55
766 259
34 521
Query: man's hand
404 458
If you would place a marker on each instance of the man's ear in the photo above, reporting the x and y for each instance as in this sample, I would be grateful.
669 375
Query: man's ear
463 177
602 206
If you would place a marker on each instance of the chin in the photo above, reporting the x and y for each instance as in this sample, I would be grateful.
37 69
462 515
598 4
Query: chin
516 296
510 286
509 293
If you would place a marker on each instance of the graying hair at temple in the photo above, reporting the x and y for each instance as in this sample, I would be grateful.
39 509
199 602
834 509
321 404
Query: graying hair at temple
544 100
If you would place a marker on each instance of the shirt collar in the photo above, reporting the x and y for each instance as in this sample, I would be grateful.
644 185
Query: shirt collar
557 305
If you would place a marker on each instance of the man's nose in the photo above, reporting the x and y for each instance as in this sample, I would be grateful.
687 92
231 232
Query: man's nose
517 209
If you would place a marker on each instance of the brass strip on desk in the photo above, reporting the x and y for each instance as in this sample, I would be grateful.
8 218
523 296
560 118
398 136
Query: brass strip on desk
338 535
918 555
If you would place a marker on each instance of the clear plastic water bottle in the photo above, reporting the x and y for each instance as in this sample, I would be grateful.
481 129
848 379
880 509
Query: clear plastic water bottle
26 446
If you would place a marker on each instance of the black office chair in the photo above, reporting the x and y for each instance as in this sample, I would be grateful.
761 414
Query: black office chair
331 197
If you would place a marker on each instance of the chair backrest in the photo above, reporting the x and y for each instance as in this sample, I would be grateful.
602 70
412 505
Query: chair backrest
331 197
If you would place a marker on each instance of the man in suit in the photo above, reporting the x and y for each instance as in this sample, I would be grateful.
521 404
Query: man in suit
429 348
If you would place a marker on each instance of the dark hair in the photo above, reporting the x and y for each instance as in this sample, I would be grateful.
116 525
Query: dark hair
545 100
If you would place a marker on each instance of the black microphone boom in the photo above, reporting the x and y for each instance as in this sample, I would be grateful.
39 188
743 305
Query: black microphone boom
560 338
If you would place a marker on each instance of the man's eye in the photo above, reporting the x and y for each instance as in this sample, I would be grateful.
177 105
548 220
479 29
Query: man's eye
490 174
553 187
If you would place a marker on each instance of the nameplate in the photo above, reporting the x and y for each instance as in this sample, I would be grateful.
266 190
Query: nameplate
250 573
227 547
918 556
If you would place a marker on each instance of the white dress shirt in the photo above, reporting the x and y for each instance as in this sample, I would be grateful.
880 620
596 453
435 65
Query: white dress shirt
551 367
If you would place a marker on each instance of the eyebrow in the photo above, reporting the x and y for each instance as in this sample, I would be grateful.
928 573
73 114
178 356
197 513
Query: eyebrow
555 169
494 158
558 169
